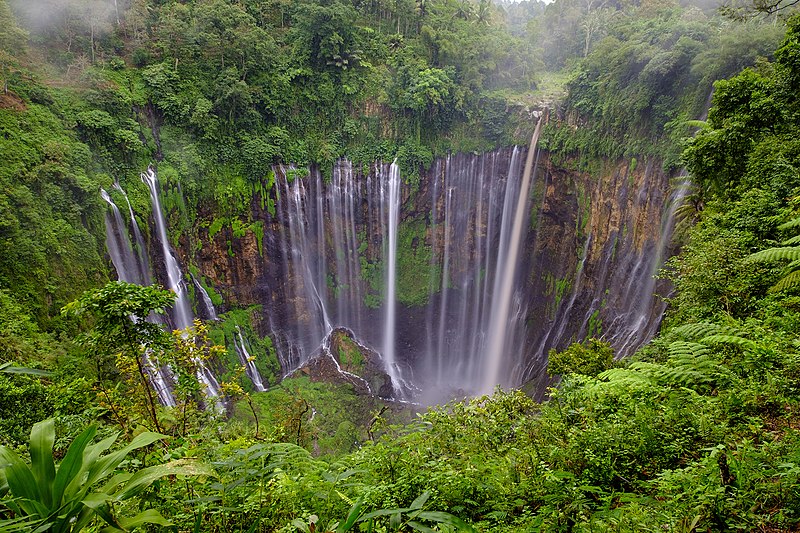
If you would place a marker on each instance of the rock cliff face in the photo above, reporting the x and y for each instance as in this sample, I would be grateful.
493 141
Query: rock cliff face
592 245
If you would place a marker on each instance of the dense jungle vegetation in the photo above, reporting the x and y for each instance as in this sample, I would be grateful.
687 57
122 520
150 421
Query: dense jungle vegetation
700 431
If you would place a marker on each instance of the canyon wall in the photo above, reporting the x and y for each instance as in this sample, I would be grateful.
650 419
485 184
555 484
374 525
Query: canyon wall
591 246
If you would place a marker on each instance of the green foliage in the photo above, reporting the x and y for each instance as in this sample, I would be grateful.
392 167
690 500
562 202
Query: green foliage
791 277
120 340
68 496
646 69
415 267
589 358
226 331
47 200
23 402
328 418
697 432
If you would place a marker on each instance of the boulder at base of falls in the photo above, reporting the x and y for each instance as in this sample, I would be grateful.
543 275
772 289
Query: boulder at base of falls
342 359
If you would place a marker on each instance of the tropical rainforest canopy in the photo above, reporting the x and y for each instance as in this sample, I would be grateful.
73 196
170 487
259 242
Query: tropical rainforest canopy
698 431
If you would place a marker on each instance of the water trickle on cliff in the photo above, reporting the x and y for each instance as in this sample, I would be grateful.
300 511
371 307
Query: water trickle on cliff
249 365
211 311
182 310
140 250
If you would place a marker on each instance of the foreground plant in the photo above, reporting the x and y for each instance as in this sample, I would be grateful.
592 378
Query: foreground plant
66 497
413 517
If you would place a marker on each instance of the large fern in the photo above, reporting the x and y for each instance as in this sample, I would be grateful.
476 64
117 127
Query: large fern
789 250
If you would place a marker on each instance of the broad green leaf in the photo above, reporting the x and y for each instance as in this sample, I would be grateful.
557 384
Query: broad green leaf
447 518
106 465
10 369
19 477
72 464
300 524
43 436
150 516
352 517
382 512
145 477
420 501
21 523
394 521
420 527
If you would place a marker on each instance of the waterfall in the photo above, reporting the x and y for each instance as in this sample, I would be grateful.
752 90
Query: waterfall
182 316
304 263
635 324
182 310
132 269
507 263
472 214
118 244
393 200
331 232
211 311
327 232
141 249
247 361
505 283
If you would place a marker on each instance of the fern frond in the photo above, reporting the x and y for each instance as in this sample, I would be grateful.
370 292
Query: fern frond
646 369
736 340
776 254
703 329
620 381
623 374
792 241
699 124
344 497
794 223
691 349
787 282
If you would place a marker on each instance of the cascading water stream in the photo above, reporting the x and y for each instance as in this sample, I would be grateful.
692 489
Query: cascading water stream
182 316
141 249
249 365
131 269
504 283
634 326
182 310
390 327
206 299
118 244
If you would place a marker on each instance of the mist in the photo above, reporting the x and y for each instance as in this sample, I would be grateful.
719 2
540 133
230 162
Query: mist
43 15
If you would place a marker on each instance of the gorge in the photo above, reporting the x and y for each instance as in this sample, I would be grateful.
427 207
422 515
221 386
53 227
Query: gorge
415 270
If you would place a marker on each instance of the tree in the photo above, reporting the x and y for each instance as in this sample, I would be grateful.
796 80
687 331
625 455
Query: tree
189 355
12 42
121 334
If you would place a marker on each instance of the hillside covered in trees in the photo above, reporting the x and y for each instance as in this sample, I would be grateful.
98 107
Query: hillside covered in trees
697 431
